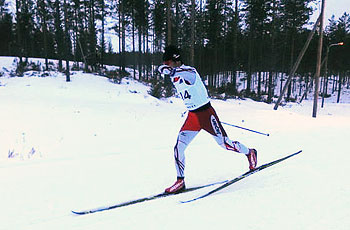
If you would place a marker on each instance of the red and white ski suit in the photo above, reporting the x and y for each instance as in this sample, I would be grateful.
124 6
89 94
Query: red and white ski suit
201 115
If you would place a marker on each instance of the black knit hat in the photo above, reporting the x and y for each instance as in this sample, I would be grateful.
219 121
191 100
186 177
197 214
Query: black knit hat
171 52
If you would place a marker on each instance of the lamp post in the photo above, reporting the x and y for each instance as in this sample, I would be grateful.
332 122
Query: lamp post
325 80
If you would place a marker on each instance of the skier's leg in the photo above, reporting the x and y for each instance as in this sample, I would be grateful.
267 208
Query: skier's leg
211 123
188 131
221 138
228 144
183 140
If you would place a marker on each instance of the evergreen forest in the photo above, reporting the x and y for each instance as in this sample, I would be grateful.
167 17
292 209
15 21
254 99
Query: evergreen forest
240 47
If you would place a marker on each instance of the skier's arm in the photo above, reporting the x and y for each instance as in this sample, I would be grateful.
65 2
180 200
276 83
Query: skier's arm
187 73
165 69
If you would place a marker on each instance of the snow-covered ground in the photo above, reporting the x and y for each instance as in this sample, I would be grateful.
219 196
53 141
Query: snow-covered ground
88 143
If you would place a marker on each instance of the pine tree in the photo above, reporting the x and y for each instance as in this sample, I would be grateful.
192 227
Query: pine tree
67 43
59 34
159 18
256 18
43 15
294 15
214 28
6 29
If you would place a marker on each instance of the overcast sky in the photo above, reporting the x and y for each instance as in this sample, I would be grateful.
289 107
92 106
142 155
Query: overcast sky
336 7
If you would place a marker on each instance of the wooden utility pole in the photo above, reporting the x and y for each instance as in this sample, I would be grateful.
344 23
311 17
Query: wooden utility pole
296 64
318 64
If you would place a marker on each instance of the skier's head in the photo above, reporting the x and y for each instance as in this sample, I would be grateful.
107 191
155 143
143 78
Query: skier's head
171 55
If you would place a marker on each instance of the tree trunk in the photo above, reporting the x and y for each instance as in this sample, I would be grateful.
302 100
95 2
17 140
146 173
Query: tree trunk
235 49
193 16
103 48
18 29
168 21
133 44
67 41
249 74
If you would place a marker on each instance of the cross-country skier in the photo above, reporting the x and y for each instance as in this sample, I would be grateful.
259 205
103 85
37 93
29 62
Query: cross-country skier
201 115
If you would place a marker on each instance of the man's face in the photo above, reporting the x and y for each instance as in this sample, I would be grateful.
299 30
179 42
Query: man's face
170 63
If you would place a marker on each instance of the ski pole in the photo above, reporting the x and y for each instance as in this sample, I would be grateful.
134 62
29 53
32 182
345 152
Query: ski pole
266 134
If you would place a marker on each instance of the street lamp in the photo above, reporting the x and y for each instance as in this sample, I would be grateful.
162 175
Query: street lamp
325 80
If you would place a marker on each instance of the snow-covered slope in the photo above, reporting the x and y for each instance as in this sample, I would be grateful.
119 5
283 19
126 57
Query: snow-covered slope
90 143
